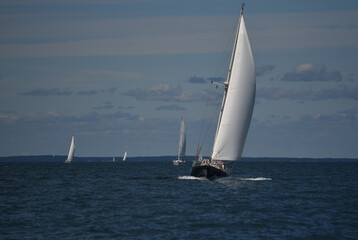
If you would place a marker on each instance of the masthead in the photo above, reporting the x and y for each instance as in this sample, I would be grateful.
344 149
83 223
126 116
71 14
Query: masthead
242 8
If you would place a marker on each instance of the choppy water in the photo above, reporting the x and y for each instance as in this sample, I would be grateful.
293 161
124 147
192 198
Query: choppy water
156 200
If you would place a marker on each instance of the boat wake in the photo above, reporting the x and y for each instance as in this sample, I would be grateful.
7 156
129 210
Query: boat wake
256 179
224 179
191 178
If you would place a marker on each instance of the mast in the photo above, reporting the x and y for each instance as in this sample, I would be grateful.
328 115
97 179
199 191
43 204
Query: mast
226 83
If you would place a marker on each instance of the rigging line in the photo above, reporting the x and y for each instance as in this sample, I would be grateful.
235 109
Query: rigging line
227 48
209 123
219 68
201 136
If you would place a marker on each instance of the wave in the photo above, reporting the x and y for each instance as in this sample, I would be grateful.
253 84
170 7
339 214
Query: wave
256 179
224 179
191 178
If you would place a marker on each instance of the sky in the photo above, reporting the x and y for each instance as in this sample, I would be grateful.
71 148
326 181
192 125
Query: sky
120 74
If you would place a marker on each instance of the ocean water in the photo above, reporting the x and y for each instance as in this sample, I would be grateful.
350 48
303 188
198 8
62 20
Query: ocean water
156 200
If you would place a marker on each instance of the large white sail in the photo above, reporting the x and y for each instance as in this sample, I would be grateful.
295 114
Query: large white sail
238 103
182 141
71 151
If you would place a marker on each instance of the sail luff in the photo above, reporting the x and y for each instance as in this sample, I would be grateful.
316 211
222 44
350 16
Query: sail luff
238 102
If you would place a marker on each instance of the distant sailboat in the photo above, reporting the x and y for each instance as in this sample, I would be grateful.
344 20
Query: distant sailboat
114 159
182 144
72 150
236 110
125 156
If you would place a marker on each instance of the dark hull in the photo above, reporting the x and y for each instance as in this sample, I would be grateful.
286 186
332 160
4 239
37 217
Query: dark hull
208 172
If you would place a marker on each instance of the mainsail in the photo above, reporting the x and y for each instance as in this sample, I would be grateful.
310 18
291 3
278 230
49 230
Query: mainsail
182 141
71 151
238 102
125 156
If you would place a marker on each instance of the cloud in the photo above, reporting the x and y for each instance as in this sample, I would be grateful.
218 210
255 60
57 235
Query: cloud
67 92
6 112
201 80
173 107
123 115
196 80
274 93
307 93
87 92
105 106
309 72
351 113
264 69
340 117
48 92
216 79
111 90
113 74
167 93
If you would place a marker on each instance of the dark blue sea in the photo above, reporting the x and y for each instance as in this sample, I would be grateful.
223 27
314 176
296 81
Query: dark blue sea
156 200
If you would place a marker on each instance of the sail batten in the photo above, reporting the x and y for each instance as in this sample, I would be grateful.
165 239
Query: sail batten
238 101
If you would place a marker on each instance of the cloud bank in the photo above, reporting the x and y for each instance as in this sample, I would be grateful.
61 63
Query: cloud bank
167 93
309 72
274 93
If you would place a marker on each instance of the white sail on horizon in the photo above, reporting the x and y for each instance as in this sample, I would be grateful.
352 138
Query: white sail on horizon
182 141
239 102
125 156
71 152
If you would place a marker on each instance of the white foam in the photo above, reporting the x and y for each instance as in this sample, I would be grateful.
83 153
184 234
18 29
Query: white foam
256 179
191 178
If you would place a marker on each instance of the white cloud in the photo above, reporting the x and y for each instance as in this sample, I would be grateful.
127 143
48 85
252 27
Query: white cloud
309 72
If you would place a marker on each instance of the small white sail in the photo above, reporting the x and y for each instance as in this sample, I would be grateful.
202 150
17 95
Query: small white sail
71 151
239 102
125 156
113 159
182 144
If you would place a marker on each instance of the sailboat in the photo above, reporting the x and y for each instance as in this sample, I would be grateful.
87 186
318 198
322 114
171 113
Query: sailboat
71 151
113 159
182 144
235 113
125 156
